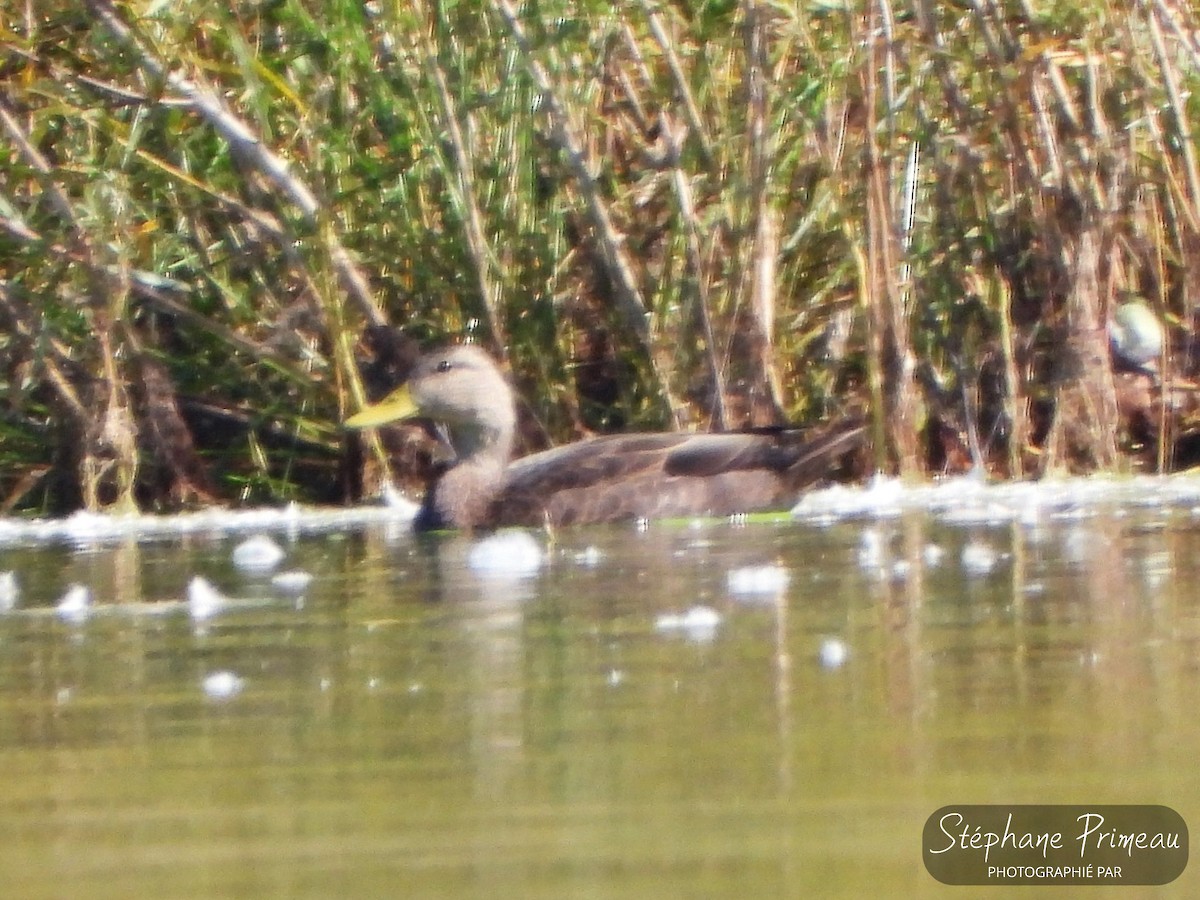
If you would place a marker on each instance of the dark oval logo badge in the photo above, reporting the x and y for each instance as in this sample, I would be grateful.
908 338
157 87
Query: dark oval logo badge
1055 845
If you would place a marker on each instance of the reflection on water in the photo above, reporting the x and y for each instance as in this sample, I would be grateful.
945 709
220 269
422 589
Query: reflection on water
416 724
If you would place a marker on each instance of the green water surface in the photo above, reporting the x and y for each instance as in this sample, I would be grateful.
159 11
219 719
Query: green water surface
412 728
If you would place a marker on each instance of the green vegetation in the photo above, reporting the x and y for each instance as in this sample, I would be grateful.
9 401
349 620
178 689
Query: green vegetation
659 215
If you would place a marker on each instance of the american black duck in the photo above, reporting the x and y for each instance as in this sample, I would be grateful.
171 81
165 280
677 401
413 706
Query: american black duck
602 479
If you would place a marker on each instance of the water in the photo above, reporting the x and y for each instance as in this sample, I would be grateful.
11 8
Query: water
716 710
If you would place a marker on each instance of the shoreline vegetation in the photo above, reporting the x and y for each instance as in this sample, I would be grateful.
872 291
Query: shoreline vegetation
656 215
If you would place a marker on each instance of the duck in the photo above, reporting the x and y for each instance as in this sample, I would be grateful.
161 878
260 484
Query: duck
601 479
1136 337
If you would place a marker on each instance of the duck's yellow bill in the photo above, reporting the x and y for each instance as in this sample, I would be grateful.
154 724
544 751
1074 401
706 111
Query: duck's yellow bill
395 406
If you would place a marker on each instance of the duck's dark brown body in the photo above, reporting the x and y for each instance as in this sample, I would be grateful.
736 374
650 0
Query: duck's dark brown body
604 479
626 477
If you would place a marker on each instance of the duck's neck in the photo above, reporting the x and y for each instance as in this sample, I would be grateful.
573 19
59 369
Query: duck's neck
477 442
462 495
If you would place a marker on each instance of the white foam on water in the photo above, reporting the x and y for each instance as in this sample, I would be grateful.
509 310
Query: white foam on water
75 605
589 557
872 550
257 554
88 529
10 591
511 553
833 653
203 600
978 559
969 500
698 623
293 581
758 580
222 685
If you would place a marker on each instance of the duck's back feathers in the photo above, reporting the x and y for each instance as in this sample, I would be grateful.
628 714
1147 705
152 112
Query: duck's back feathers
624 477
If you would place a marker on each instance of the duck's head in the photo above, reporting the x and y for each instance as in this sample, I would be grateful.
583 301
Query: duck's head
460 388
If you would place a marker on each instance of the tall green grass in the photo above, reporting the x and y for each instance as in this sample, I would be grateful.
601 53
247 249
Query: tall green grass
659 215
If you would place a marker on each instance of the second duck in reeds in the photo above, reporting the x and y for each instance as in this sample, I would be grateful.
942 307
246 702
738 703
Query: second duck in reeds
601 479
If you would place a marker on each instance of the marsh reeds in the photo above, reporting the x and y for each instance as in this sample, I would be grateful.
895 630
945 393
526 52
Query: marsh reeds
659 216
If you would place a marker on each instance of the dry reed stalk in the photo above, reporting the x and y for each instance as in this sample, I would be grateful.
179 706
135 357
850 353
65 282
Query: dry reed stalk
612 244
483 260
106 449
695 121
247 146
762 236
1171 83
889 320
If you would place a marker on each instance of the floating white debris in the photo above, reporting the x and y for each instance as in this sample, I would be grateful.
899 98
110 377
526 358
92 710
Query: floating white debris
615 677
758 580
1157 568
222 685
511 553
293 581
75 604
589 557
882 498
393 499
833 653
698 623
1080 544
978 559
257 554
975 511
10 591
93 528
1035 502
871 550
204 600
971 500
932 554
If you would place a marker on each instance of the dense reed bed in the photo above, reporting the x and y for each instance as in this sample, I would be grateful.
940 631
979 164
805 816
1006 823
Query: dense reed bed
658 215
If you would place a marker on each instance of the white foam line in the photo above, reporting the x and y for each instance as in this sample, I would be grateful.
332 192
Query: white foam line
967 500
91 528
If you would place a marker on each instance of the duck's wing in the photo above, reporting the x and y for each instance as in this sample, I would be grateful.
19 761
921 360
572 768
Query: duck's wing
620 477
602 479
593 462
797 456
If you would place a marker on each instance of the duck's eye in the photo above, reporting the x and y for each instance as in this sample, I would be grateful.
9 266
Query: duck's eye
444 365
